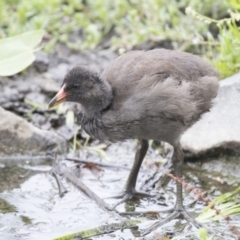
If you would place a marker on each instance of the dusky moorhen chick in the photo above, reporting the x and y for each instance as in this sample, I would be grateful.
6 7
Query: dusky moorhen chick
156 94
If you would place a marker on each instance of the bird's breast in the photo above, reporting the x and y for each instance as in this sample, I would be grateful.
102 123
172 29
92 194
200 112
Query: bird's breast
93 127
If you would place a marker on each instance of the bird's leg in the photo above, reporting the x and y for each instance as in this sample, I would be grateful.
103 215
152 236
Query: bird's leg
56 173
178 159
178 211
129 189
142 148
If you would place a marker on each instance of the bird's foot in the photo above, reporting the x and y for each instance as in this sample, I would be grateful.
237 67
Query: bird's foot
177 213
151 212
129 194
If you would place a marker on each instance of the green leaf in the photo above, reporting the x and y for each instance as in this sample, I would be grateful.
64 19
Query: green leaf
226 203
17 53
203 234
32 38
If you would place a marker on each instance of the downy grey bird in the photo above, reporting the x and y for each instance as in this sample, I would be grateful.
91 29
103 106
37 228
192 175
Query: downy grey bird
156 94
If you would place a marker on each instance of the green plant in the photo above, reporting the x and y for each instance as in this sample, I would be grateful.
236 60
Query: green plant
227 204
203 234
84 24
17 53
227 58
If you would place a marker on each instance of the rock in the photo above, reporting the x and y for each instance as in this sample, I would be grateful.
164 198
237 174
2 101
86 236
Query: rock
47 84
67 132
19 137
58 72
36 98
235 79
24 87
12 94
42 62
218 129
40 121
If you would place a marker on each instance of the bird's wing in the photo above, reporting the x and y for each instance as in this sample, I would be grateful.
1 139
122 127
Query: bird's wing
159 82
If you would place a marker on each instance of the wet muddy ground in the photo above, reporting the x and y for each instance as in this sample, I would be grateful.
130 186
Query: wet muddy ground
30 206
32 209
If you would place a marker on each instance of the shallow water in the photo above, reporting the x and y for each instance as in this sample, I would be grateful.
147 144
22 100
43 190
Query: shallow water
31 208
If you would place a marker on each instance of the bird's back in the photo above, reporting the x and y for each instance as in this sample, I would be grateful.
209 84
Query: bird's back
159 86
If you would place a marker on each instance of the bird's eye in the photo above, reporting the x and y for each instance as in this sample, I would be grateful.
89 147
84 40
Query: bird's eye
75 85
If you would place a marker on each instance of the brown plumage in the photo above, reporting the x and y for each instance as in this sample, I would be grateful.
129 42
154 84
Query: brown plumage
154 89
156 94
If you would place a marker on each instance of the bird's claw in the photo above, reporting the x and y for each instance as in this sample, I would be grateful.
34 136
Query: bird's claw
177 213
129 194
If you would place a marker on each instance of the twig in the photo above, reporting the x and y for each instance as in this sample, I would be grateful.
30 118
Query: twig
150 212
97 163
88 192
62 190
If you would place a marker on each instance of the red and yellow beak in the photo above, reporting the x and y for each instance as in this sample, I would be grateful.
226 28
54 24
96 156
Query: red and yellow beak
59 98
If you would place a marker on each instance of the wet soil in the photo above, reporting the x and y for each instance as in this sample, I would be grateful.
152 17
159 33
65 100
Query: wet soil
30 206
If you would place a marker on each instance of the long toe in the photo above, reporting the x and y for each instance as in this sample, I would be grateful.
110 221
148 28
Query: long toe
129 194
152 212
158 224
191 220
125 196
177 213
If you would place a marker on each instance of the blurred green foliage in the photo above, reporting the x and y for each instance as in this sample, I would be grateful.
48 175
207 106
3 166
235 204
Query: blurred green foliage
227 205
227 60
134 21
85 24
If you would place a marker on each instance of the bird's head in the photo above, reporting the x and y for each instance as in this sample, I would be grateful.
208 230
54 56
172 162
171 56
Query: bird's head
84 86
80 85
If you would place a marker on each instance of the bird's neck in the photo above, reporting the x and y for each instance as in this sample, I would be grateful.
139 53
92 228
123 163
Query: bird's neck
94 108
91 116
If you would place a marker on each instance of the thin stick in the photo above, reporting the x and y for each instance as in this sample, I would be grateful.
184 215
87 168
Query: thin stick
97 163
88 192
150 212
62 190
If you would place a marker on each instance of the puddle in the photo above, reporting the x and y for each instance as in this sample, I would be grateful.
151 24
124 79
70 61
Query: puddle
30 206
